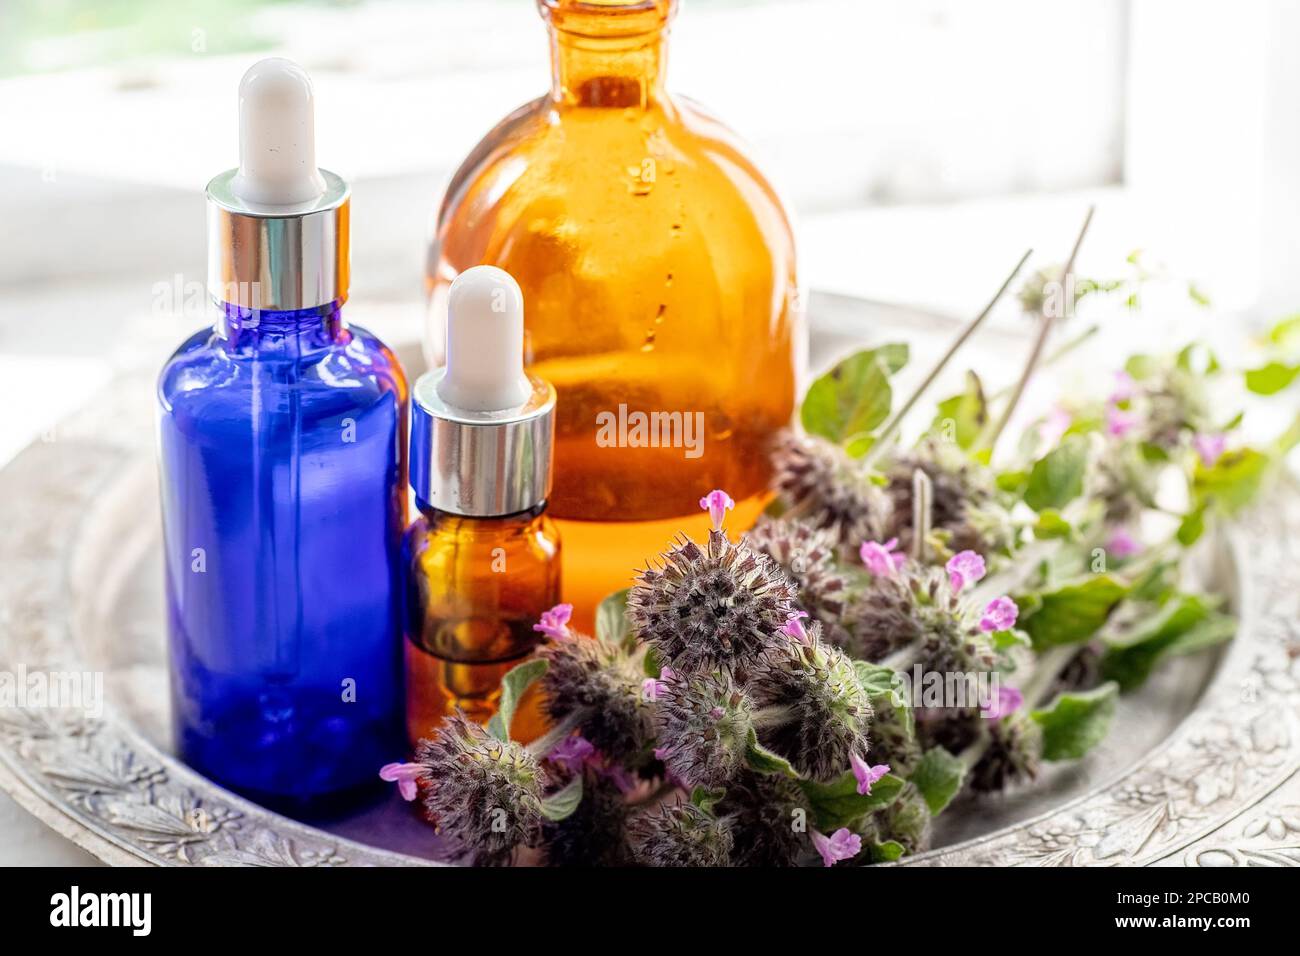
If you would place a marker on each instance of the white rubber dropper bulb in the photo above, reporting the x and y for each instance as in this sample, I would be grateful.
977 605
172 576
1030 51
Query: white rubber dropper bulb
277 136
485 342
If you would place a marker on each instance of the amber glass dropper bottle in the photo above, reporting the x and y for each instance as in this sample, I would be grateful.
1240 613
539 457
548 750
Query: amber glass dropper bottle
483 559
659 271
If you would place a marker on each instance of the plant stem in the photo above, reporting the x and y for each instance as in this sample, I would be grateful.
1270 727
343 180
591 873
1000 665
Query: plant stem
990 440
887 430
922 513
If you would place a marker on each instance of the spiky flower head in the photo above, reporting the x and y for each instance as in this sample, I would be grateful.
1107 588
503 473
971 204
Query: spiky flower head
770 818
893 735
952 639
828 490
1014 753
680 834
484 794
595 834
906 820
704 723
717 607
812 709
605 683
966 509
807 556
880 617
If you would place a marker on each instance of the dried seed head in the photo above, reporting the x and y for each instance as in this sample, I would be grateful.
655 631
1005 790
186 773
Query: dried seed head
484 794
598 677
966 510
680 835
811 708
769 818
807 556
713 608
595 834
1014 754
828 490
704 723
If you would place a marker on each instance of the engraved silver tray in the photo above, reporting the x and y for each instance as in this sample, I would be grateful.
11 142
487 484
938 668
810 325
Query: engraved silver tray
1200 769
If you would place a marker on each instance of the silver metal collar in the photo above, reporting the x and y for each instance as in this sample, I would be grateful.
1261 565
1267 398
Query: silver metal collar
481 464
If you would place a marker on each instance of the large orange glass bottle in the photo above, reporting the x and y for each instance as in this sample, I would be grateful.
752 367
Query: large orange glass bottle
659 269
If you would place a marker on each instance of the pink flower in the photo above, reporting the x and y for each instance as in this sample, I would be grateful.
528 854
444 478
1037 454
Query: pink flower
1209 447
964 567
717 503
1120 422
405 775
1055 425
881 559
666 674
1125 388
866 774
843 844
1009 700
1000 614
555 622
651 689
794 628
572 753
1122 544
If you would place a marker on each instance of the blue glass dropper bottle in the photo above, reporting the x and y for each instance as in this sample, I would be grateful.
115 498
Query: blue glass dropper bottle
282 449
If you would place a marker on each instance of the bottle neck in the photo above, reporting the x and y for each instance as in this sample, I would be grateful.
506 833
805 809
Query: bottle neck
265 328
607 53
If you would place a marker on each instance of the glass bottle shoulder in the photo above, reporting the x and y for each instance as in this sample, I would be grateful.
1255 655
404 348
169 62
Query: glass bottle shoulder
349 367
546 158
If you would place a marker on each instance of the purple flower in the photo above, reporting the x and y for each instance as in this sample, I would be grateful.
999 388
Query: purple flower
1122 544
1120 422
651 689
555 622
666 674
572 753
1125 388
717 503
843 844
794 627
1008 701
964 567
1055 425
881 559
1000 614
866 774
1210 447
404 775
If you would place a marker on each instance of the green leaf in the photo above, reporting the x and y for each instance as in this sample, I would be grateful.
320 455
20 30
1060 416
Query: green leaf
1071 613
1182 625
938 776
561 804
887 852
513 685
1012 481
854 397
1075 723
1012 637
1141 366
838 803
1233 481
1051 525
612 624
1286 334
1271 378
707 798
962 418
1057 477
884 688
650 663
761 760
1192 526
